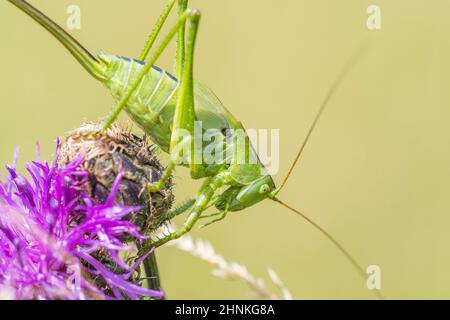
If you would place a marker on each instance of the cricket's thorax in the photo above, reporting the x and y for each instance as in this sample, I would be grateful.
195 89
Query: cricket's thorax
152 104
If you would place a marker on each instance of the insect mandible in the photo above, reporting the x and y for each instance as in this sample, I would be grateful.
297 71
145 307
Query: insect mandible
163 105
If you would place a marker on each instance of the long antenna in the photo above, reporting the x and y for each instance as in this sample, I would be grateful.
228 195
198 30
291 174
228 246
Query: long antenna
330 93
340 247
84 57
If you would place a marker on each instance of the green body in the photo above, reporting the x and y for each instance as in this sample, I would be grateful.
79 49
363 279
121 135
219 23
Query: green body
152 107
152 97
161 104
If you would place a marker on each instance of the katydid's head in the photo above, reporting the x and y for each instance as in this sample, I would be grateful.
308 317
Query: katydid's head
239 198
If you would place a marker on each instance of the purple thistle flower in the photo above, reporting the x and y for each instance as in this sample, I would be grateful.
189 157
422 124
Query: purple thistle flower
50 231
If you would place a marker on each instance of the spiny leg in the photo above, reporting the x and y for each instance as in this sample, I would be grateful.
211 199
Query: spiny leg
156 30
203 198
184 116
181 51
215 214
181 208
158 185
117 108
180 54
222 214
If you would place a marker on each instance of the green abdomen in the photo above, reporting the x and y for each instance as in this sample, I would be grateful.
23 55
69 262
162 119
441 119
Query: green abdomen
152 105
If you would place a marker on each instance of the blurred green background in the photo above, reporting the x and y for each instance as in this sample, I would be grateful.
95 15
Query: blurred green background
375 174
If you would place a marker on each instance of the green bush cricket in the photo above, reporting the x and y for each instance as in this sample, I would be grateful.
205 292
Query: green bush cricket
162 104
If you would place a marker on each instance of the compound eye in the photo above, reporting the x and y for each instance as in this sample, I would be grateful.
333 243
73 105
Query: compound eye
264 188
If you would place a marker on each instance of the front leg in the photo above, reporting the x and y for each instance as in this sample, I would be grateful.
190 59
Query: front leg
222 216
202 200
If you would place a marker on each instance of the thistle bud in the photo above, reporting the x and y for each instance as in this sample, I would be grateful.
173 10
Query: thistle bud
106 155
112 151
